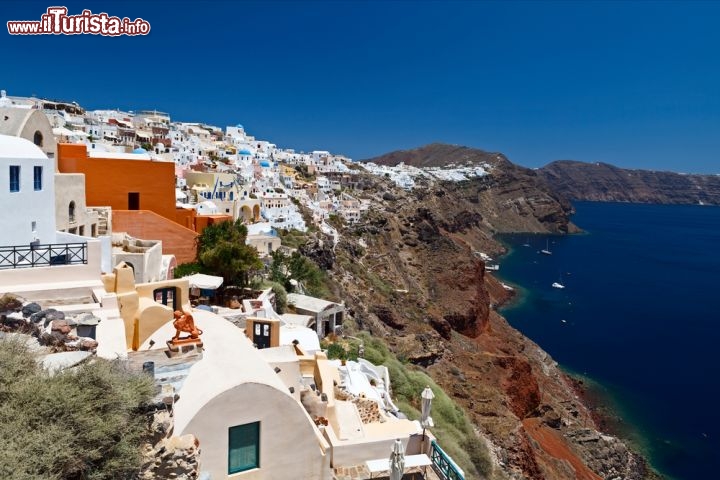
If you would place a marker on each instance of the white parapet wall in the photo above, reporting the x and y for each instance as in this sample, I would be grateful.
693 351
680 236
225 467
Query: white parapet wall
45 281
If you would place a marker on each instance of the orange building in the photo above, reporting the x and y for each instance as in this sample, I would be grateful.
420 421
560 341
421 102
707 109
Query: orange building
141 193
121 181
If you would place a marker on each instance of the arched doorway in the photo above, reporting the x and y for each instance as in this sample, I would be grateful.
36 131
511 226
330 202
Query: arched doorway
246 213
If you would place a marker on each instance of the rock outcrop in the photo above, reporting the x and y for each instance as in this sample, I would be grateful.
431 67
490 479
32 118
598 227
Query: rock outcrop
510 198
607 183
166 456
49 326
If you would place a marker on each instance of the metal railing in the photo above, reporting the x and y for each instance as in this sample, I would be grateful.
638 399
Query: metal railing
46 255
443 463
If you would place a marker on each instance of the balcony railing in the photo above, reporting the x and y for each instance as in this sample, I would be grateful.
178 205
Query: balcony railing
22 256
443 463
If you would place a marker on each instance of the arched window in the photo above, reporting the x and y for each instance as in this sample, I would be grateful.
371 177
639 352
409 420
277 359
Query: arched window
71 211
38 138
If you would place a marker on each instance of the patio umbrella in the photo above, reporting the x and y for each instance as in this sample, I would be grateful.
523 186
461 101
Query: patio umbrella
427 397
397 461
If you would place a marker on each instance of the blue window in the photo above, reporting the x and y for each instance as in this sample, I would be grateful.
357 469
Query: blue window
244 448
37 178
14 178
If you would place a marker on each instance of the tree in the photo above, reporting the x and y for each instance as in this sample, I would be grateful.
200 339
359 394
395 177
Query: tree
222 251
280 297
233 261
300 268
278 268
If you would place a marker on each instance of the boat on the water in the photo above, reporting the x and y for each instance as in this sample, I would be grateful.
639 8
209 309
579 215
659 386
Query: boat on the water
546 250
558 285
493 268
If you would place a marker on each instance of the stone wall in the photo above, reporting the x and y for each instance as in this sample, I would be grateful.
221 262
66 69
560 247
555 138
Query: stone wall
169 457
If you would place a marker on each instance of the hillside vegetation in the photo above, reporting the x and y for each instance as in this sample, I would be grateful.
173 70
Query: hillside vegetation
84 423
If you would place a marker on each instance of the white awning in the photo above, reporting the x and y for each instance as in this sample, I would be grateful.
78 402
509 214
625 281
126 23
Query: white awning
143 134
206 282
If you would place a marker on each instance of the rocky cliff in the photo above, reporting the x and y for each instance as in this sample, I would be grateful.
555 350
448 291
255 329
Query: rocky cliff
411 272
603 182
510 198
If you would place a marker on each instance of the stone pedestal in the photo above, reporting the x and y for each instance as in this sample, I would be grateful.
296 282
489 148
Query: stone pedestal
184 349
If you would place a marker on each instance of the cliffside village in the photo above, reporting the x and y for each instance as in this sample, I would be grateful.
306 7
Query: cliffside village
99 207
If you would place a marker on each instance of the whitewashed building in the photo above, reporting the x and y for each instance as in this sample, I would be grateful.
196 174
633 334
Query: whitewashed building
33 255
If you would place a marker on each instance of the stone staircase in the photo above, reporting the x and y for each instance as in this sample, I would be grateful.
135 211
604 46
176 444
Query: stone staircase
104 220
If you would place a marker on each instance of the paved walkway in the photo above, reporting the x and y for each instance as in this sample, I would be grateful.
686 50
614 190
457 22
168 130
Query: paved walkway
360 472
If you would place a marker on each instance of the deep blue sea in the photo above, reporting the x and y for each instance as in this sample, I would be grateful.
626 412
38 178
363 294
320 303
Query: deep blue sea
640 314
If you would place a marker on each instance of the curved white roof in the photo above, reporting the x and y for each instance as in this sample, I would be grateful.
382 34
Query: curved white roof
228 360
306 337
16 147
311 304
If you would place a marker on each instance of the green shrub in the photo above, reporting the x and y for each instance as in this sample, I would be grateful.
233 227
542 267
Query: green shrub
187 269
280 297
336 221
300 268
292 238
336 351
82 423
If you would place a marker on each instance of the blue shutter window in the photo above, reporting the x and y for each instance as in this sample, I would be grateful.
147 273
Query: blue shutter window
244 447
14 178
37 178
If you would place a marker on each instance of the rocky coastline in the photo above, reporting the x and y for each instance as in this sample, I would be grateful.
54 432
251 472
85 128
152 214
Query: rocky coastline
599 403
413 273
595 399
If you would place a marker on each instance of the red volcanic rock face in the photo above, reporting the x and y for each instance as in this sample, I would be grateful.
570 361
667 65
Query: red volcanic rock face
519 385
461 295
468 324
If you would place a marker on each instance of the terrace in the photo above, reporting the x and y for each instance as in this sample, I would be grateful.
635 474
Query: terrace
42 255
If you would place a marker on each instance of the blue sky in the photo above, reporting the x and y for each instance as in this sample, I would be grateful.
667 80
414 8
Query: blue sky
636 84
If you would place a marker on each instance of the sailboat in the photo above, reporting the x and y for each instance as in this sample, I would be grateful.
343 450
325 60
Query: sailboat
546 250
559 283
